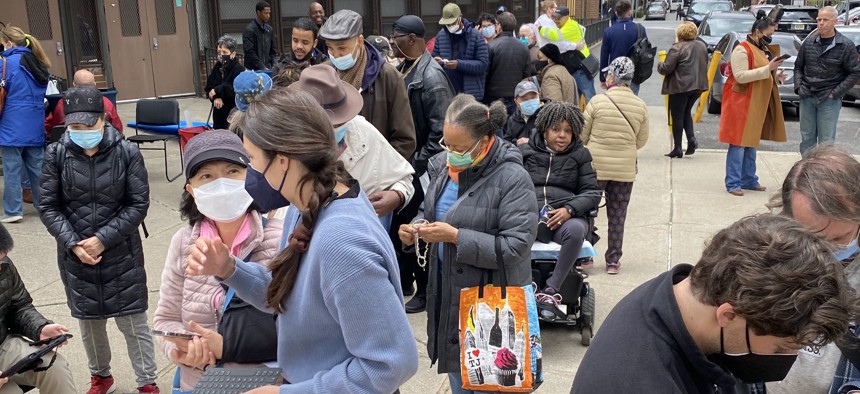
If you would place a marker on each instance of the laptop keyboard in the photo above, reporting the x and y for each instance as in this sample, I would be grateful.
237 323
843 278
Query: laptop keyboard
236 380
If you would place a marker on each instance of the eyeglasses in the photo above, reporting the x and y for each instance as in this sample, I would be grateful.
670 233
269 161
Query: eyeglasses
461 154
393 37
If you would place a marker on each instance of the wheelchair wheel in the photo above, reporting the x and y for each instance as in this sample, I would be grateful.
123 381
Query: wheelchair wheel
586 335
587 307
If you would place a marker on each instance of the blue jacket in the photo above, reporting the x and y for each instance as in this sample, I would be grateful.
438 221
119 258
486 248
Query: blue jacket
474 66
617 41
22 123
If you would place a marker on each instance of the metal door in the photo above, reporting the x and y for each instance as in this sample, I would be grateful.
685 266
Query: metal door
129 43
170 47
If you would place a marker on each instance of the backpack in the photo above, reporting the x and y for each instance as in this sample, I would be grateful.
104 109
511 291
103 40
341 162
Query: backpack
642 53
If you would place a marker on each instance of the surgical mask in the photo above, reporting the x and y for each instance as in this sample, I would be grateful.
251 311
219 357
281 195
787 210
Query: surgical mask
459 160
266 197
86 139
524 40
754 368
766 39
529 107
225 59
345 62
844 252
488 31
453 29
223 200
340 133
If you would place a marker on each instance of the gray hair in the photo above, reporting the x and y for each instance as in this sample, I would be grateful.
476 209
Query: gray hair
227 42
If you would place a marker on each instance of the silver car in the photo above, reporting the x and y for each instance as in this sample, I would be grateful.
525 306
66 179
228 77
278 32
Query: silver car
788 44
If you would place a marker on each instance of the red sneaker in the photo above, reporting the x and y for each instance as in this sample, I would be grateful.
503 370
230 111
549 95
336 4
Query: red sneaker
100 385
150 388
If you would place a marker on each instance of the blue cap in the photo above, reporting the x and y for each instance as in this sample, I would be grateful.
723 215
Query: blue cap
250 85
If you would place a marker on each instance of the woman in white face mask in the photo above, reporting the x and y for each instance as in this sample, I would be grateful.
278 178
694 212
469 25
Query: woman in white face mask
216 205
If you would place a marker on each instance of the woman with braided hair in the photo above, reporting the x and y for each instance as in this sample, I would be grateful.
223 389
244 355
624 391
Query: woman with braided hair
565 185
335 285
479 196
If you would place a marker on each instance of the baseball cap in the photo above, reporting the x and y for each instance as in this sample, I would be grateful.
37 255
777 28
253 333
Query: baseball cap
215 145
622 68
524 87
450 13
561 12
83 105
342 25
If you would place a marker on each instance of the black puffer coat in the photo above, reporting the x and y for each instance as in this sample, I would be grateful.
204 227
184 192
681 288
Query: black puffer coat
107 196
17 314
564 179
518 127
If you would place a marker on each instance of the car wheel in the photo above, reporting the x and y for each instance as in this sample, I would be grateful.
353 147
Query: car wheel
713 105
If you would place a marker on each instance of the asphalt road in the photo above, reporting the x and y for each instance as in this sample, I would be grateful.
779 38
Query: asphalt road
662 35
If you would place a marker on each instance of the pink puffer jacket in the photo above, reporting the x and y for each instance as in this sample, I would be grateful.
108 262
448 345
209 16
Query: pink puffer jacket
186 298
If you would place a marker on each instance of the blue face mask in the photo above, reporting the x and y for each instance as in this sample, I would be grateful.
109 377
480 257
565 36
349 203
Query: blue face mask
340 133
459 160
264 195
524 40
86 139
488 31
345 62
844 252
529 107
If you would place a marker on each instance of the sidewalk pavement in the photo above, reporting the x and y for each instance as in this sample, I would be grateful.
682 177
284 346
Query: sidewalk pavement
676 206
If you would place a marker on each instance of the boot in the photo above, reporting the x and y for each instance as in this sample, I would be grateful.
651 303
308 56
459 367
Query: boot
692 144
675 153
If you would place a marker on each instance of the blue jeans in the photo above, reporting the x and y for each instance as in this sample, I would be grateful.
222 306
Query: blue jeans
584 84
457 383
20 163
818 118
740 168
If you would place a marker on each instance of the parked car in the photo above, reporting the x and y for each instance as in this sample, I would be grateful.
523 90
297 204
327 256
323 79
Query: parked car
655 11
799 20
788 44
717 24
753 9
852 33
852 18
847 6
699 9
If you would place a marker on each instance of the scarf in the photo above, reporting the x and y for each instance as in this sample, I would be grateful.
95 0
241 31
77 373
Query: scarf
355 75
454 172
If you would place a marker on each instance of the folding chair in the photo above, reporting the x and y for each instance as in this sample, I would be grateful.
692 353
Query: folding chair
161 118
57 133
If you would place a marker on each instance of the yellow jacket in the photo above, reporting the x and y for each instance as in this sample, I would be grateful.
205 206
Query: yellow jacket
571 32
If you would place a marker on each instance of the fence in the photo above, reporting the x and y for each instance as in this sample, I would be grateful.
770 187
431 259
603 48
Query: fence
594 29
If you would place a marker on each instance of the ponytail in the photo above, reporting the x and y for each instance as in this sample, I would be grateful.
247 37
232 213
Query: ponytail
21 39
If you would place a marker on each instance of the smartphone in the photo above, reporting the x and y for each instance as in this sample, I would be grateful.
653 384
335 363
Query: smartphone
783 57
173 334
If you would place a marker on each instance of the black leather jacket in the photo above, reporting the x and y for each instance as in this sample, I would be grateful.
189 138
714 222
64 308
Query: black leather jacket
429 92
106 196
819 71
17 314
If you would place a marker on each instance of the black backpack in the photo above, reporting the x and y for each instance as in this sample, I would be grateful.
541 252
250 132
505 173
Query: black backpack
642 53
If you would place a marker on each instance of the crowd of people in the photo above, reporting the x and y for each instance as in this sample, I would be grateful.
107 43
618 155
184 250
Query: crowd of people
365 170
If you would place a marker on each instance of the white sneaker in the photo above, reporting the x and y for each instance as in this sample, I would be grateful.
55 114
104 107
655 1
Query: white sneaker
11 219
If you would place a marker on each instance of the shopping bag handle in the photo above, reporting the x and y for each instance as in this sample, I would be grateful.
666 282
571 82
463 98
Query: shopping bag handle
487 275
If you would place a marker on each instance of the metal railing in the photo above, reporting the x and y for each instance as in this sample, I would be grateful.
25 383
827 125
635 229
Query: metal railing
594 30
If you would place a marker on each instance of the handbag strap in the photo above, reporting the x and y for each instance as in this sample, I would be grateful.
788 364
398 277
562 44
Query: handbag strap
622 112
230 292
3 77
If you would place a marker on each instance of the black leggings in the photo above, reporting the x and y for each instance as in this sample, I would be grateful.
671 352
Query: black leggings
680 107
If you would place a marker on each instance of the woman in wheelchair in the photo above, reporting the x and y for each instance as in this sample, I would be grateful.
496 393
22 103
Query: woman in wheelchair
565 185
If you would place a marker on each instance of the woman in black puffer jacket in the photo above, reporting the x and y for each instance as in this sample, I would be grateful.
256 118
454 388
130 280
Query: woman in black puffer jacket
565 185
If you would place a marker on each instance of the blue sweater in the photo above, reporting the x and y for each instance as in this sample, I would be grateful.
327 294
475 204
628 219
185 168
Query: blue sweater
473 66
344 328
617 41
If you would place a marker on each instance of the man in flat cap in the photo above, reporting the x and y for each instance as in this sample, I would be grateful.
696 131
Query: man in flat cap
430 92
362 66
462 52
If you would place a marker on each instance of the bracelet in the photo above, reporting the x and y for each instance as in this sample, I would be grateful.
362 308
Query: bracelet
402 198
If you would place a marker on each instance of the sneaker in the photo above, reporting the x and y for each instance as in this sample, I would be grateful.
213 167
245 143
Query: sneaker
586 263
11 218
613 269
150 388
100 385
417 304
554 299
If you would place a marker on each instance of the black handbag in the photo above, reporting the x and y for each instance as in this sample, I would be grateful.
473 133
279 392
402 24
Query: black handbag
249 329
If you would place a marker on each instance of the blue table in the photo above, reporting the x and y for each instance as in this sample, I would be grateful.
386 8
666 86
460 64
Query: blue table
165 129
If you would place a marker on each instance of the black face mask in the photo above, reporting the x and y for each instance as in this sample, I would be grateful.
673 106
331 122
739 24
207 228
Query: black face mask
225 59
754 368
540 64
766 40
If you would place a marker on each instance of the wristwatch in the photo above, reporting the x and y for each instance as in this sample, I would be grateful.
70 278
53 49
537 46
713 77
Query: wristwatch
569 210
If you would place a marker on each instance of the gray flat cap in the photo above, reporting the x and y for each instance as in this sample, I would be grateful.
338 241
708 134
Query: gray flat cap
342 25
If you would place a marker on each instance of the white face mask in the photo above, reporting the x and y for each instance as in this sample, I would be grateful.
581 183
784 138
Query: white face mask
222 200
454 29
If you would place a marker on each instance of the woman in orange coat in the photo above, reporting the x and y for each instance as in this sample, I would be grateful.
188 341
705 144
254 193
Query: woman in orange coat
751 95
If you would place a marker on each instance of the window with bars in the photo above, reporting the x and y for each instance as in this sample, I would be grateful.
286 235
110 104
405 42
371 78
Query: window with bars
39 19
129 15
165 16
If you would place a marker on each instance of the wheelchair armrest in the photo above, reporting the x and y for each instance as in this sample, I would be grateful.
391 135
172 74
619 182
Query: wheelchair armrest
592 213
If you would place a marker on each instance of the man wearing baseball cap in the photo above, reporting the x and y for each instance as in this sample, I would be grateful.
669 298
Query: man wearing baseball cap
359 64
94 195
522 121
462 52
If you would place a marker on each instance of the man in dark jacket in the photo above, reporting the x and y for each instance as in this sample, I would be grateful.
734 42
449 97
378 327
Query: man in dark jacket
304 52
521 123
462 52
317 14
258 40
510 62
618 39
739 314
826 68
19 319
358 63
95 195
430 93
